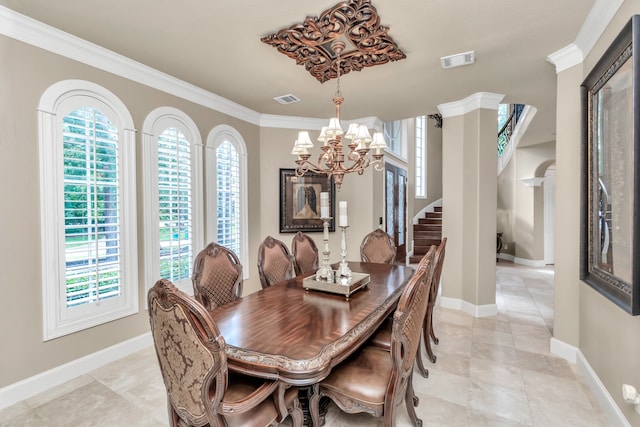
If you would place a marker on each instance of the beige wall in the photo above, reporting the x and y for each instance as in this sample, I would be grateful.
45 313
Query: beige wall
529 201
434 162
506 206
25 73
604 333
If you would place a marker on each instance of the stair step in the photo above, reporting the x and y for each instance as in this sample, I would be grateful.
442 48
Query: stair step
426 242
430 221
427 227
437 235
426 233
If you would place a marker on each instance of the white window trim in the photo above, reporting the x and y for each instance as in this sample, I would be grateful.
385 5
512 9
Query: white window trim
156 122
217 136
56 102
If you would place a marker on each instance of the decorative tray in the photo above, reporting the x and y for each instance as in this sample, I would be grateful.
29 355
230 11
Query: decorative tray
346 286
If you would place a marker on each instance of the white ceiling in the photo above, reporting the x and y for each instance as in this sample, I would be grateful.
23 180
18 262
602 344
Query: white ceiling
216 46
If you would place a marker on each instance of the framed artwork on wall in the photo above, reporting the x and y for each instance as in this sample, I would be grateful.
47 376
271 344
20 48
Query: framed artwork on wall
300 201
610 210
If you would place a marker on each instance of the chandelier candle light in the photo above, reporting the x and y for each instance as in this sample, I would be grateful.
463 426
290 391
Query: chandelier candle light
331 161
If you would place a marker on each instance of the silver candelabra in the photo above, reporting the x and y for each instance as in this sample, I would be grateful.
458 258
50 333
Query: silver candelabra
325 273
344 270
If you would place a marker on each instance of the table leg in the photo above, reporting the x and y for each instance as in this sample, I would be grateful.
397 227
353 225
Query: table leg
303 397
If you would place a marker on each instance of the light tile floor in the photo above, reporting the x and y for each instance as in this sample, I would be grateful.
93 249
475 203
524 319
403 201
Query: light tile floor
494 371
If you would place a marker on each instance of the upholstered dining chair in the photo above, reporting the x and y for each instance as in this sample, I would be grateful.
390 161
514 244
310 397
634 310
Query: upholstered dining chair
427 330
275 263
378 246
375 380
200 388
382 337
305 253
217 276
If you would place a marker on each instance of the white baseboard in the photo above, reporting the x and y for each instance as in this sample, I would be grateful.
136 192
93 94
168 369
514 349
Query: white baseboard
473 310
43 381
564 350
608 405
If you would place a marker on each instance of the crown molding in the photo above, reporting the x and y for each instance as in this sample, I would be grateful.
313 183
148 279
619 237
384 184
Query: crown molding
566 57
597 21
473 102
38 34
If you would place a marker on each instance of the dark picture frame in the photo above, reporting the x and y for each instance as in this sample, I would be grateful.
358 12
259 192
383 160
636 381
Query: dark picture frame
300 201
610 210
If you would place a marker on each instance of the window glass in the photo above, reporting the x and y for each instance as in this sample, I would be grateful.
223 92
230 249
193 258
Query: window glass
392 134
420 156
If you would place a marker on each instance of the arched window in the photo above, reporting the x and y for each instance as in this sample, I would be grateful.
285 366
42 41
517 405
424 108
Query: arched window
172 153
88 211
227 199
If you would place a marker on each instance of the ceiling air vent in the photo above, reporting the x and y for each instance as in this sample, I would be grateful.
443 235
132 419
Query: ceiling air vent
458 59
287 99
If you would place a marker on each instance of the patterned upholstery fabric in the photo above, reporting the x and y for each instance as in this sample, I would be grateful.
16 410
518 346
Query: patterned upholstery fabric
274 262
378 247
187 365
192 359
305 253
217 276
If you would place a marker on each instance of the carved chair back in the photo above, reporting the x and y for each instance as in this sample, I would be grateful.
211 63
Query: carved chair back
408 320
275 263
378 247
191 355
217 276
385 374
193 362
305 253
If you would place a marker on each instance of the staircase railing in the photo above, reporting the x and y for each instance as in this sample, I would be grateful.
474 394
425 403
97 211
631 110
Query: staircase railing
504 134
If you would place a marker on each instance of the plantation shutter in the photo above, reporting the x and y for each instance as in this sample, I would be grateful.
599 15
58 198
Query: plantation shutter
228 196
91 207
175 205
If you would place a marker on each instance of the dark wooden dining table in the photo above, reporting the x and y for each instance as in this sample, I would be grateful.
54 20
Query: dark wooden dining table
298 335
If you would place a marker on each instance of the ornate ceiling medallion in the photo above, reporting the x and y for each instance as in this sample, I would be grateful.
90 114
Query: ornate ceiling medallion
356 23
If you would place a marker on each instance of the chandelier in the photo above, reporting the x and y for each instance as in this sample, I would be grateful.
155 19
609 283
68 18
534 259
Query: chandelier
332 161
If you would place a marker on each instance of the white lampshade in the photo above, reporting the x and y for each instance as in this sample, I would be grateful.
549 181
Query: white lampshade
352 131
304 140
363 136
298 150
334 128
323 136
378 141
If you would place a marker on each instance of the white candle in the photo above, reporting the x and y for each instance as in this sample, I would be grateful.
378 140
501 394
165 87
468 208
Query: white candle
324 204
343 214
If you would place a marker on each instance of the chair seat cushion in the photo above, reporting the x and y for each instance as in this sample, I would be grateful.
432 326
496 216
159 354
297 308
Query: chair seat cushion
382 337
364 377
239 388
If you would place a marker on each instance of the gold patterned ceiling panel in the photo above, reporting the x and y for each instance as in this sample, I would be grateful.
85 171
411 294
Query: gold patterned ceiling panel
354 22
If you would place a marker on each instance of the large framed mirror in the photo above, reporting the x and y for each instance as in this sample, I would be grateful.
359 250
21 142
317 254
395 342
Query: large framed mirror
610 256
